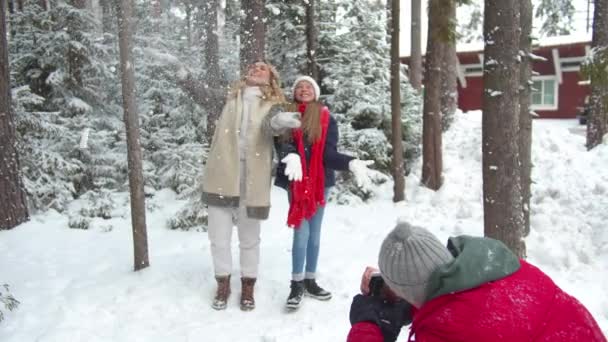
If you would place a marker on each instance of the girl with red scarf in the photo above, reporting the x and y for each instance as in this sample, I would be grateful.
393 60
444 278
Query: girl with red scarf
309 157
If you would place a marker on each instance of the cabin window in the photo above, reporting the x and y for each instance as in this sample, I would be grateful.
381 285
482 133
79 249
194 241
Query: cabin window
571 66
544 94
472 70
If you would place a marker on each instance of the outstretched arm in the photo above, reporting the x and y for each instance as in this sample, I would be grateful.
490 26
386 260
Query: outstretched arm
278 121
199 91
334 159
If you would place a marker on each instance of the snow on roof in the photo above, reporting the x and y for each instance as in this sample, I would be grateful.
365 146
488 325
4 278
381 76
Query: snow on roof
544 42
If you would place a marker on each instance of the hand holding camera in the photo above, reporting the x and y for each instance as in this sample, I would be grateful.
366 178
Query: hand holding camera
372 284
379 305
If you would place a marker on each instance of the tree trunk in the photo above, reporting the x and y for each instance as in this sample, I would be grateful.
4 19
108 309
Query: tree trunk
188 11
80 4
155 9
597 123
214 78
75 58
253 32
449 73
397 135
107 16
136 181
432 163
13 200
389 24
311 41
503 211
20 5
8 23
525 118
415 72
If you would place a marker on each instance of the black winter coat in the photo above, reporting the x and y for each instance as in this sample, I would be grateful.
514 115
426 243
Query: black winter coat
332 159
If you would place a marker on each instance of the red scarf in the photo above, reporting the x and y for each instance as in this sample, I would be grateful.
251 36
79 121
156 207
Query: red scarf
308 194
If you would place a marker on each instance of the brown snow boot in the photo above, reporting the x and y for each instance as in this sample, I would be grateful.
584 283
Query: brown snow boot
247 301
222 293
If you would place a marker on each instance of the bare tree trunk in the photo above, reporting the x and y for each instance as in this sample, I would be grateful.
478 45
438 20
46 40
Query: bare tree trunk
13 201
80 4
415 73
432 161
397 134
525 118
155 9
75 58
20 5
188 10
253 32
8 23
107 16
597 124
136 181
503 211
449 74
215 78
389 24
311 41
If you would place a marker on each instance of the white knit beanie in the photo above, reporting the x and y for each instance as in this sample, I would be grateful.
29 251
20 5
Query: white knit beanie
407 258
309 80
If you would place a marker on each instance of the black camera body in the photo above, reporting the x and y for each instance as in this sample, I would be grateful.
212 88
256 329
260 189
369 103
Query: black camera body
376 284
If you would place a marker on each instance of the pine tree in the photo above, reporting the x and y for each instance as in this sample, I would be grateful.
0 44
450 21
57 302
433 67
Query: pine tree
557 16
470 24
286 44
7 301
353 55
312 67
52 109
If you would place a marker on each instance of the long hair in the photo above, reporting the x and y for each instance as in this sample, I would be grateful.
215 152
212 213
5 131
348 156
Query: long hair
270 92
311 120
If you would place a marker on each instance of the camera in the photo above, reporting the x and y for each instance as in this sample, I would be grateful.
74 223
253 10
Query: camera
376 284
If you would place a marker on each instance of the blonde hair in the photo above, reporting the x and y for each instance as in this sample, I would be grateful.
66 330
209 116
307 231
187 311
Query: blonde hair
270 92
311 120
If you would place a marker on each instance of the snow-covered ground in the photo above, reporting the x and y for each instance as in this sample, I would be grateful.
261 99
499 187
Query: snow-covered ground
79 285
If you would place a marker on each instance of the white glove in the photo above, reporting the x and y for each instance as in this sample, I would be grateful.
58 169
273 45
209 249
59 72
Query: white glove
285 120
359 168
293 167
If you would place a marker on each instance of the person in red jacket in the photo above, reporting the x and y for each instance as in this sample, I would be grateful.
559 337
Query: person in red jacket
476 289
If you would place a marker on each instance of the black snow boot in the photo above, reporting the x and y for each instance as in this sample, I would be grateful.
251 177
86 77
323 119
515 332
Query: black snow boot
295 295
315 291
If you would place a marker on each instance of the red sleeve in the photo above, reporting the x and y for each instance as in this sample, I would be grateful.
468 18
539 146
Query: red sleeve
365 332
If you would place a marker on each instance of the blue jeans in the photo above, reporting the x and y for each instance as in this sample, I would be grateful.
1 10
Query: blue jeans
306 245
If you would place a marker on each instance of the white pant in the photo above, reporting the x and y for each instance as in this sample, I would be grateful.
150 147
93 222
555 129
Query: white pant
220 225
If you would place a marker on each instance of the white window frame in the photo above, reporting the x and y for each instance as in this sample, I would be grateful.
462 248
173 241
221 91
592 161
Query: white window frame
565 60
555 93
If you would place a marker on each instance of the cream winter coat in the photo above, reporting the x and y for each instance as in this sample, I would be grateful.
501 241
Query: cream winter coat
221 179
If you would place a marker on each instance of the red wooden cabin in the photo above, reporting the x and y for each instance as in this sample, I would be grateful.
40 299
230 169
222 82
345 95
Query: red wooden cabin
558 90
